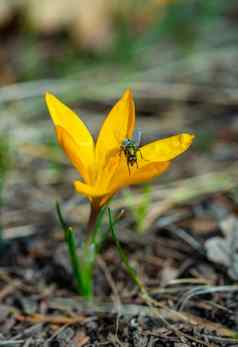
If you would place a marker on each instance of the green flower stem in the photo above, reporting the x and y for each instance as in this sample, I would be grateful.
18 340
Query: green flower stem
82 270
83 263
92 220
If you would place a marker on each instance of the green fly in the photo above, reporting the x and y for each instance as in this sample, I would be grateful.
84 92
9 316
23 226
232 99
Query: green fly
130 148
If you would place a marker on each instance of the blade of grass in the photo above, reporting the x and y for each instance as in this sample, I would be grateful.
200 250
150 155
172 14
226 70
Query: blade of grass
131 271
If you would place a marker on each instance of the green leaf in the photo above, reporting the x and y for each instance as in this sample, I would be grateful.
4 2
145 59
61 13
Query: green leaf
82 270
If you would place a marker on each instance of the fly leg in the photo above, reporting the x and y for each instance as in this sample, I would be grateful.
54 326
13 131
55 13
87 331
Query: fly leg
142 155
128 165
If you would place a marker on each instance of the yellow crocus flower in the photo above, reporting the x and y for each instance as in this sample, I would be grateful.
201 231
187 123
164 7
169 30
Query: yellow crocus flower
102 165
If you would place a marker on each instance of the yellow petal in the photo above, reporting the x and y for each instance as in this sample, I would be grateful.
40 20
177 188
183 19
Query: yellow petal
152 160
109 170
96 195
118 125
146 173
136 175
99 196
73 152
66 119
165 149
102 189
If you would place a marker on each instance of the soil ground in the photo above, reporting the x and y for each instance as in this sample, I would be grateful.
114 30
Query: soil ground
186 255
194 294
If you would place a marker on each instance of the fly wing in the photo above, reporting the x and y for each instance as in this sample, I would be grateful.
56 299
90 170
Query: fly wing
137 137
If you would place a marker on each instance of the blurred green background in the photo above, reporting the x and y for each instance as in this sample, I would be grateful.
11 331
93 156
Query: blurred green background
55 39
180 58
